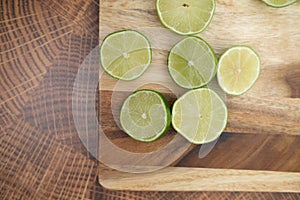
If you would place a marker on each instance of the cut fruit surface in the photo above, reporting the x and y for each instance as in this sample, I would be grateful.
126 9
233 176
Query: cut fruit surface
199 115
185 17
279 3
145 115
238 70
192 63
125 55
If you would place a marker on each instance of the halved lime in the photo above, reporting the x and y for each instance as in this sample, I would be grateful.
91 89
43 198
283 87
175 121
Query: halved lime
185 17
125 55
145 115
238 70
192 63
279 3
199 115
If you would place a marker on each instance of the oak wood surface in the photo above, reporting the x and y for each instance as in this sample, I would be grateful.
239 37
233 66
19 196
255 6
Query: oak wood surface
41 155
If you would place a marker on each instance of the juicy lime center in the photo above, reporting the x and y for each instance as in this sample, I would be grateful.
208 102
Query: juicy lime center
199 115
144 116
125 55
190 63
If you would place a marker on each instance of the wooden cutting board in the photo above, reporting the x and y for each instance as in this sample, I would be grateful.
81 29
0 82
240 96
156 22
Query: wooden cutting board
259 150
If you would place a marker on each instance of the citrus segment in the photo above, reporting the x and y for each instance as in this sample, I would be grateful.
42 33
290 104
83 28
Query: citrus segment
279 3
125 55
185 17
145 115
238 69
199 115
192 63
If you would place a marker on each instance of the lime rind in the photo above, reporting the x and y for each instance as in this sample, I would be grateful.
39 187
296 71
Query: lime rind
253 81
173 73
186 33
158 133
215 131
144 67
282 5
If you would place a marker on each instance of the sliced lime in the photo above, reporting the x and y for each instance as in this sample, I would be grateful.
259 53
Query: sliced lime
125 55
192 63
185 17
238 70
279 3
199 115
145 115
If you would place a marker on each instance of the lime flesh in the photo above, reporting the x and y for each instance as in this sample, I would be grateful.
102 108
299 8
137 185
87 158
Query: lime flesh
145 115
199 115
279 3
185 17
125 55
192 63
238 70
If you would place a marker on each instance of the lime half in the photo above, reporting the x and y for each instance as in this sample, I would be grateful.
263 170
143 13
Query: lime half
279 3
199 115
185 17
145 115
125 55
192 63
238 70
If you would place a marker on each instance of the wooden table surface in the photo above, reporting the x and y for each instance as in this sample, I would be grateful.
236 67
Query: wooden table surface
42 157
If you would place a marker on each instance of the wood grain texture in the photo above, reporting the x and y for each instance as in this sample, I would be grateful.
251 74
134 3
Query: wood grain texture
273 33
41 49
146 195
41 156
254 151
202 179
261 115
265 120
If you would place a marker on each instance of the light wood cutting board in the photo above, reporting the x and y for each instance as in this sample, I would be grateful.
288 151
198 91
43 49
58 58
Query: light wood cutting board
265 120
